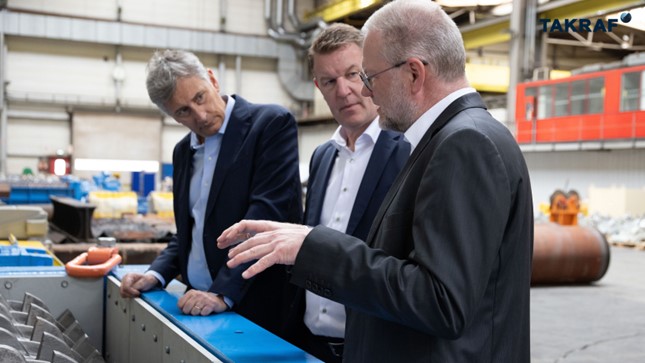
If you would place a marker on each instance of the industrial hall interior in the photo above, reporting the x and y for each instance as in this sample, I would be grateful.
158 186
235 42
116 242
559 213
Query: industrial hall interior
322 181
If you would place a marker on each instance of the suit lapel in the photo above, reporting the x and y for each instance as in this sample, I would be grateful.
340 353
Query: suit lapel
319 186
238 126
183 170
375 167
471 100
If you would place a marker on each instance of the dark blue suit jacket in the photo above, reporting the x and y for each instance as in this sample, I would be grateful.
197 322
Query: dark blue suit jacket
388 157
256 177
389 154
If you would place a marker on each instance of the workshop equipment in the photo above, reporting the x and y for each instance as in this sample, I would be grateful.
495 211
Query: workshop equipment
568 254
29 333
96 262
146 329
23 222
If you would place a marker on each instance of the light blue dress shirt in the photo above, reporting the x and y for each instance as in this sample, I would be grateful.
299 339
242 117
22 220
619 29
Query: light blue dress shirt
204 163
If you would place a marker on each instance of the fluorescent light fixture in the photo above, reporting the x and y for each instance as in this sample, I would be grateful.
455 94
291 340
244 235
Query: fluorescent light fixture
60 166
150 166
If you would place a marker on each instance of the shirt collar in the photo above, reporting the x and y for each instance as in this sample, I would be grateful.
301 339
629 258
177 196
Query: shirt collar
371 133
414 134
228 110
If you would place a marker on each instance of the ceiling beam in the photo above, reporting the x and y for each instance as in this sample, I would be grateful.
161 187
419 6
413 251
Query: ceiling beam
495 31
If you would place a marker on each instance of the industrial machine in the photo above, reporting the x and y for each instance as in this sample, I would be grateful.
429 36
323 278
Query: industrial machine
146 329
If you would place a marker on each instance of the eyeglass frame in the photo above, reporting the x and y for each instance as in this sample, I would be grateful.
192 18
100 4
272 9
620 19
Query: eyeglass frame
367 80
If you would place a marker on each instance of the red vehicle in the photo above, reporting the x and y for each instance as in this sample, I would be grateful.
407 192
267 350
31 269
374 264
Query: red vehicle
606 104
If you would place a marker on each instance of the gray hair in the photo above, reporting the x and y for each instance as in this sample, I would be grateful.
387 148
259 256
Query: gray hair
332 38
421 29
163 69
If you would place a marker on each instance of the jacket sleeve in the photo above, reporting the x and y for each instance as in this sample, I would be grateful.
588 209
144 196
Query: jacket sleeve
452 228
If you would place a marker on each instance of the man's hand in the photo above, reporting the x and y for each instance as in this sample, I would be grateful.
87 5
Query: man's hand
133 284
196 302
268 242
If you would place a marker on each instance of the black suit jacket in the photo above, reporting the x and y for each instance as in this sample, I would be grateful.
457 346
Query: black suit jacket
444 275
388 157
256 177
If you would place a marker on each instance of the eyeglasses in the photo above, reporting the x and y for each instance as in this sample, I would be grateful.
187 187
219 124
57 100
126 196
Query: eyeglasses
367 80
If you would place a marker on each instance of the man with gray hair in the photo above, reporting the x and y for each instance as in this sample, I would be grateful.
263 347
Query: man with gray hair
239 160
444 274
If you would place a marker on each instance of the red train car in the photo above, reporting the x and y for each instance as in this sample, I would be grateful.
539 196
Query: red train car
607 104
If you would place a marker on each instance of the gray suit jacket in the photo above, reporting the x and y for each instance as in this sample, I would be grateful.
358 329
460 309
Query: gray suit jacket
444 275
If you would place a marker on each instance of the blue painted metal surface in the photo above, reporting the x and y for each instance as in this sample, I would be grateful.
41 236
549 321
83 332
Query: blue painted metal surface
229 336
24 256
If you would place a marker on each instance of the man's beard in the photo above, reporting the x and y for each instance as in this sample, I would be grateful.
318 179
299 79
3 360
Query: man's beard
401 114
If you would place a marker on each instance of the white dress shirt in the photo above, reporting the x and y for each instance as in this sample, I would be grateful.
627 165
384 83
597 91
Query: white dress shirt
323 316
414 134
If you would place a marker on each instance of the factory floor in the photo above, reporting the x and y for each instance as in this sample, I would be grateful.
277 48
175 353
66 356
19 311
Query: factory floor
599 322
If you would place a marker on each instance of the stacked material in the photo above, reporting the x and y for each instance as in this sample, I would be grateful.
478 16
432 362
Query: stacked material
30 334
625 231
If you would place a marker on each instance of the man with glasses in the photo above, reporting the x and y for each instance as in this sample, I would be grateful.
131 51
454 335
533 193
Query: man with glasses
348 176
444 274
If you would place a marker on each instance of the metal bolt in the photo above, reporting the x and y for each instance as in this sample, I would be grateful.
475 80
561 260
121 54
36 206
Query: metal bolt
8 285
133 317
64 284
125 310
143 327
109 295
154 338
167 349
116 302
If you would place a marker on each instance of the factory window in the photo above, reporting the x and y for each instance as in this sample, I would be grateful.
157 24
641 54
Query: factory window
545 102
562 99
596 95
631 97
578 97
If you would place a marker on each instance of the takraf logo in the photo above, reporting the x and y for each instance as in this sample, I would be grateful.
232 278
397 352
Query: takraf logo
582 25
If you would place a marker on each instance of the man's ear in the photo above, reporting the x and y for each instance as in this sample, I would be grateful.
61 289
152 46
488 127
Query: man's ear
213 80
418 70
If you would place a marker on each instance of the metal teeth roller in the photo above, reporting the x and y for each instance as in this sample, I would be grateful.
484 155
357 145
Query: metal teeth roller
30 334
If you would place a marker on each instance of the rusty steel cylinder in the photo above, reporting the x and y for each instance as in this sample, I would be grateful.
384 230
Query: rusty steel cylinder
568 254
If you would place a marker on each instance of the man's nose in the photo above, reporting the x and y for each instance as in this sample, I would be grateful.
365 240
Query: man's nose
365 92
343 87
200 115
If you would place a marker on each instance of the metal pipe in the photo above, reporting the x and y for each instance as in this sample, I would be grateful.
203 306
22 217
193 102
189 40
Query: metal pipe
223 11
221 75
3 106
279 7
118 77
238 74
291 14
568 254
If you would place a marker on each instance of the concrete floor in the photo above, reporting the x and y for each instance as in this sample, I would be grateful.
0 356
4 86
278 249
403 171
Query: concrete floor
599 322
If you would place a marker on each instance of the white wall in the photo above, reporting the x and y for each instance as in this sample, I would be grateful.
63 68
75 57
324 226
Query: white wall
46 69
582 169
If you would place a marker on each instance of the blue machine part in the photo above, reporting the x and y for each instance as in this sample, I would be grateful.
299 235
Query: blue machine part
229 336
24 256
